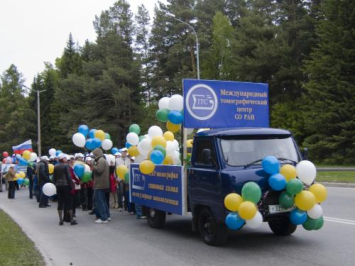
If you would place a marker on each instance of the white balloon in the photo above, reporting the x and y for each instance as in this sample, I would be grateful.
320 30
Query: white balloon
256 221
176 158
33 157
107 144
176 144
132 138
154 131
170 147
78 140
110 158
164 103
316 212
8 160
49 189
52 152
146 145
306 172
140 158
87 168
189 131
176 102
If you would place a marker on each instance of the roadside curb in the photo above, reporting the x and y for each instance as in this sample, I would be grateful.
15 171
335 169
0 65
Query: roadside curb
334 184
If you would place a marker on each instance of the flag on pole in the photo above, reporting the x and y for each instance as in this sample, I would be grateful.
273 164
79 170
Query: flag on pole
19 149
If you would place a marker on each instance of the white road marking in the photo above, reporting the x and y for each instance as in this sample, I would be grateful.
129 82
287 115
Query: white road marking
338 220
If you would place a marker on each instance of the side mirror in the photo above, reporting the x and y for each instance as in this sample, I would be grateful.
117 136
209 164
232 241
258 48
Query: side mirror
206 156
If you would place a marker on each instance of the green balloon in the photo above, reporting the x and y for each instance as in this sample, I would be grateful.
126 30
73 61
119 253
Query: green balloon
294 186
26 182
126 177
160 148
162 115
135 129
141 137
107 136
251 192
310 224
286 200
320 223
31 164
86 177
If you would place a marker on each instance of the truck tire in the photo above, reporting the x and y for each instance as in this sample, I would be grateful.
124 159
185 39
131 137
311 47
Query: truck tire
282 226
212 233
155 218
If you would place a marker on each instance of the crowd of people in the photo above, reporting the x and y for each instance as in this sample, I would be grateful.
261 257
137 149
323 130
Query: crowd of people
103 192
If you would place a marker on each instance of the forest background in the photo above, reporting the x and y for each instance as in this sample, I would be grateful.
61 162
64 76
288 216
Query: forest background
304 50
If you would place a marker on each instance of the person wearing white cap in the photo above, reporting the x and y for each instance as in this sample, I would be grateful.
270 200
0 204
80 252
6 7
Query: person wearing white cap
121 191
43 178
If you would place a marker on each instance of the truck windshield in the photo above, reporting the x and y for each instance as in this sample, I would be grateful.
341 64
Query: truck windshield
242 152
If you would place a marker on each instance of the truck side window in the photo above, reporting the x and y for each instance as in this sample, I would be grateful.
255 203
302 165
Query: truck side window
201 145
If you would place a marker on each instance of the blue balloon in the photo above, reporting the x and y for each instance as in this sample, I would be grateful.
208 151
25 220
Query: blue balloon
79 170
83 129
20 181
96 143
114 150
277 182
127 145
92 133
175 117
18 156
58 152
23 162
233 221
89 144
157 157
298 217
271 165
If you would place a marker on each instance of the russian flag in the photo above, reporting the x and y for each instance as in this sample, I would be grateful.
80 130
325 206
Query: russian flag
19 149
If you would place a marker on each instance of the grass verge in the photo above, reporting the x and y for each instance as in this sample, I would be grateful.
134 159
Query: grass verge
332 176
15 247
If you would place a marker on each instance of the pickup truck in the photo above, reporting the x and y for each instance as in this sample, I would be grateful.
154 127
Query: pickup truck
222 161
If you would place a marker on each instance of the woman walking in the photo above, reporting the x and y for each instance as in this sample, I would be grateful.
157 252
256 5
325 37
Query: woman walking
10 177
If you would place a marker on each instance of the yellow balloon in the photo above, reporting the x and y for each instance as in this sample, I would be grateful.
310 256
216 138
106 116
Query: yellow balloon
21 175
168 135
158 140
247 210
172 127
189 143
50 168
17 176
133 151
168 160
305 200
288 171
121 170
26 155
100 134
147 167
319 191
232 201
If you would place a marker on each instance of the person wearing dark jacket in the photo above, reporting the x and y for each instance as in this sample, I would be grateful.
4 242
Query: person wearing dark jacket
30 175
64 185
43 178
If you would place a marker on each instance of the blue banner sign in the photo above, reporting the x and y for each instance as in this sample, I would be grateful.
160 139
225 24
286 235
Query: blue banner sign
216 104
163 189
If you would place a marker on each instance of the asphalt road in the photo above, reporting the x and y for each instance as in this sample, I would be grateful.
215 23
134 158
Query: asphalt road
128 241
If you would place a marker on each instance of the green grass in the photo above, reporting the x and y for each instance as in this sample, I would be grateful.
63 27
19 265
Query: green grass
15 247
332 176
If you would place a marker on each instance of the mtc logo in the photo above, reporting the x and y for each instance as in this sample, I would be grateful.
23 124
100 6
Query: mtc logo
202 102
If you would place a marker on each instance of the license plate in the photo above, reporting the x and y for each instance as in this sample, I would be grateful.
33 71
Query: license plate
278 209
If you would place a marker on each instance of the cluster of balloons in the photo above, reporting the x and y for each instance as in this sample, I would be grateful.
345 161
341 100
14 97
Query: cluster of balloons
24 160
83 171
243 208
171 112
20 179
298 191
92 139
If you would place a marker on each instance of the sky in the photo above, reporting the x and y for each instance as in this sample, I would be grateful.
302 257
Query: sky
36 31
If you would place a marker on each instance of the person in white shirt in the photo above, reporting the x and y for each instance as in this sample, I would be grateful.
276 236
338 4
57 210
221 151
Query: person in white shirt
121 159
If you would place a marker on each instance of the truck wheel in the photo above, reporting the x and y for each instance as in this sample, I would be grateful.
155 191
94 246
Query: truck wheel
282 226
155 218
212 233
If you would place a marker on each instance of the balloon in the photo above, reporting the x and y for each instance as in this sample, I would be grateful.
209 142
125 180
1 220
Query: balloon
294 186
306 171
50 168
147 167
126 177
107 136
154 131
310 224
114 150
288 171
286 200
176 158
22 162
83 129
162 115
128 145
247 210
58 152
251 192
135 129
100 134
176 102
106 144
316 212
158 140
22 174
298 217
8 160
164 103
79 170
92 133
5 154
26 155
156 156
86 177
110 159
271 165
170 147
133 151
140 158
33 157
175 117
319 191
277 182
132 138
49 189
168 160
160 148
320 222
305 200
146 145
121 170
232 201
256 221
52 152
26 182
172 127
96 143
79 140
234 221
89 144
20 181
169 135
